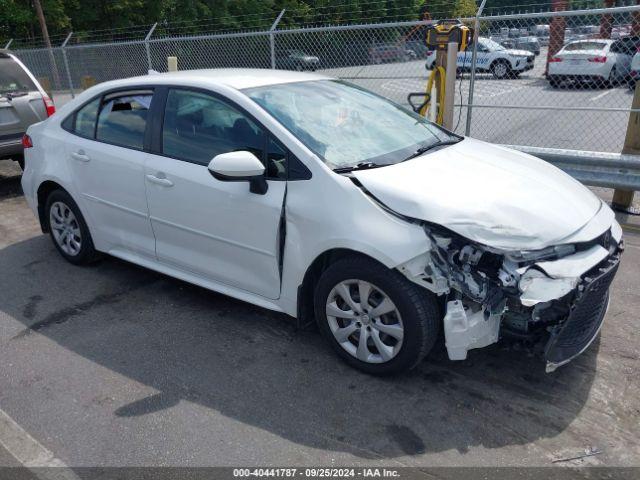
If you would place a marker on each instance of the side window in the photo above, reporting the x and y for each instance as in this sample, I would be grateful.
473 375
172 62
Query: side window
276 161
197 127
86 117
616 48
123 119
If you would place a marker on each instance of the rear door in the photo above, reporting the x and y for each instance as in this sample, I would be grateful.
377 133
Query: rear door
21 103
107 160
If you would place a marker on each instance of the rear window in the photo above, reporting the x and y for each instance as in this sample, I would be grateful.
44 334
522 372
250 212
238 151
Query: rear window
574 47
123 119
13 78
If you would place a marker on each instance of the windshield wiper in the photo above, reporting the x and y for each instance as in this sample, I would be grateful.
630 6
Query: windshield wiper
423 150
359 166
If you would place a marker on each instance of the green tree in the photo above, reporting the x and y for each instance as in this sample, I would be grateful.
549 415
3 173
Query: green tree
465 8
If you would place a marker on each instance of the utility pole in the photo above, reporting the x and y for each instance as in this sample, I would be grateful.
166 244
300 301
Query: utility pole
635 21
556 31
606 22
47 41
43 23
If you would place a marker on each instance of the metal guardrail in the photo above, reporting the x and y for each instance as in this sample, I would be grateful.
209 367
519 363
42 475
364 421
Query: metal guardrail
598 169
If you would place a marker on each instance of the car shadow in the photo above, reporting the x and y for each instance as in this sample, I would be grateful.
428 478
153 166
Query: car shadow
255 366
9 182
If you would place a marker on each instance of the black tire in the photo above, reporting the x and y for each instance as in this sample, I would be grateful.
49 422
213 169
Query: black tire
554 82
418 308
498 72
612 81
87 252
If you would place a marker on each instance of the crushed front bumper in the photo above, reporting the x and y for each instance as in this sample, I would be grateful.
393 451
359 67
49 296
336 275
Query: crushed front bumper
586 316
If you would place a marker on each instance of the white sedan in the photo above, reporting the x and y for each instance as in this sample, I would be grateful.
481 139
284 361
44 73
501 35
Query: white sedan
309 196
600 62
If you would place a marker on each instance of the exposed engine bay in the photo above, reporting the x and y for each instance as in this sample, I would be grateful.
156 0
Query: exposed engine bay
555 298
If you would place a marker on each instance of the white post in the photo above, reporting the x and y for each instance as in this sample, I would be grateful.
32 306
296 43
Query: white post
6 47
450 85
172 64
66 63
146 45
474 61
272 39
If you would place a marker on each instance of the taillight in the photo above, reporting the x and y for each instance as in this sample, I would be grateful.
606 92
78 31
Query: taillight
598 59
555 60
26 141
49 106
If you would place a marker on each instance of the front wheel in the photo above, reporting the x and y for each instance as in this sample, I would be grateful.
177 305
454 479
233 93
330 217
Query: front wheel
500 70
374 318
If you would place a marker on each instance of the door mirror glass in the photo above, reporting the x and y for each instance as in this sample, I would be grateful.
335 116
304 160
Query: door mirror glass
237 167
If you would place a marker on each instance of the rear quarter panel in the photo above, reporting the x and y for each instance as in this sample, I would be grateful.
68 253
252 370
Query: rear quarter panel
46 161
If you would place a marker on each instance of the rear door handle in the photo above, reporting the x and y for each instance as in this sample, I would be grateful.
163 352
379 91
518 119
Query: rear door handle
80 156
165 182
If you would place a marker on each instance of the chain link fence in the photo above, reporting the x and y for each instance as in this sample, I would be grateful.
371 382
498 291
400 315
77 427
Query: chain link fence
554 80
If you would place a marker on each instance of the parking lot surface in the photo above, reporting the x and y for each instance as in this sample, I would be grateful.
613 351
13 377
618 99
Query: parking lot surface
115 365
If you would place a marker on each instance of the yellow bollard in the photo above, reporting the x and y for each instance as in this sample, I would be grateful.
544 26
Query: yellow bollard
172 64
623 199
87 81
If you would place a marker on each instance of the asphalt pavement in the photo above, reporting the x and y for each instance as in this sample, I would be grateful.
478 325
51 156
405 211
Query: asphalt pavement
115 365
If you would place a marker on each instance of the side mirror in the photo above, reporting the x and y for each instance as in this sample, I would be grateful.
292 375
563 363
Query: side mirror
241 166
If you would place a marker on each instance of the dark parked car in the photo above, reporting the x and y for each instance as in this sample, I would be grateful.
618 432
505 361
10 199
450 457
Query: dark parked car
389 53
297 60
23 102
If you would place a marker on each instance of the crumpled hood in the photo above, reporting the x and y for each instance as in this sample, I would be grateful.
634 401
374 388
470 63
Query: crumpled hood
490 194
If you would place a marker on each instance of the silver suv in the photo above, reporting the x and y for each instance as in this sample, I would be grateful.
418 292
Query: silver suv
23 102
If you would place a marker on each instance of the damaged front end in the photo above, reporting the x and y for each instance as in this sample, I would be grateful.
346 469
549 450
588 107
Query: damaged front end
555 298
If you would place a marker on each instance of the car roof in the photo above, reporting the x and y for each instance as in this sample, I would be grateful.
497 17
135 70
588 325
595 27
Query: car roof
238 78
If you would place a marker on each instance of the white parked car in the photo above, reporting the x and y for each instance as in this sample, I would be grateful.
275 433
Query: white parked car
309 196
492 57
602 62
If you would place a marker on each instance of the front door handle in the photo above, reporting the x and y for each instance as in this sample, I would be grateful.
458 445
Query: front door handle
80 156
165 182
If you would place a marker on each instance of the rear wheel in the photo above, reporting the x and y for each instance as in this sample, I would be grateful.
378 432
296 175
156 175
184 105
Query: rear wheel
68 229
374 318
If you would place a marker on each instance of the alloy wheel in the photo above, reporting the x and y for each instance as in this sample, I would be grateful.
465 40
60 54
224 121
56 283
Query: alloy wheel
364 321
500 70
65 228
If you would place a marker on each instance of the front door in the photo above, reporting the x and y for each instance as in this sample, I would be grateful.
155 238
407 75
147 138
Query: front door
216 229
